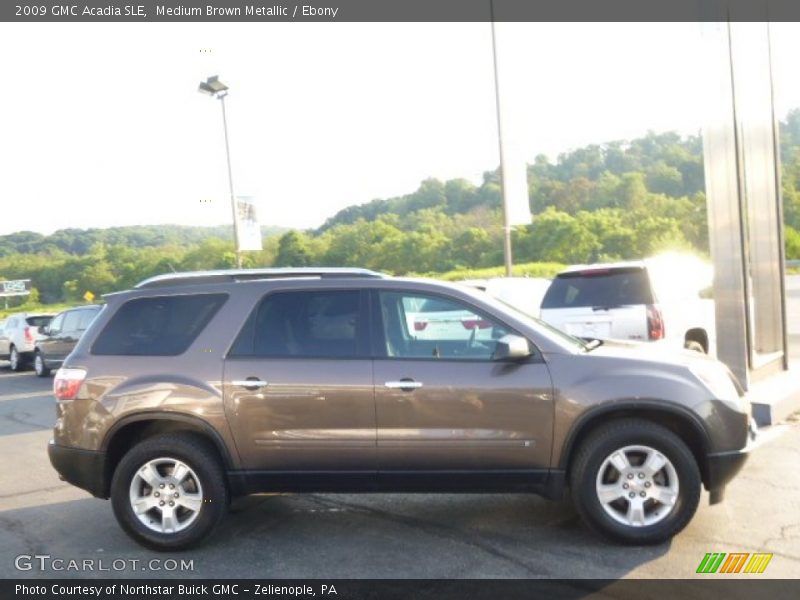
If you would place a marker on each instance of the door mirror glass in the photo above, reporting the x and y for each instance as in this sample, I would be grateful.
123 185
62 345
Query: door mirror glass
512 347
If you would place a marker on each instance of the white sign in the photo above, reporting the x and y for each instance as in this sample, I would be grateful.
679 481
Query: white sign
19 287
247 224
510 113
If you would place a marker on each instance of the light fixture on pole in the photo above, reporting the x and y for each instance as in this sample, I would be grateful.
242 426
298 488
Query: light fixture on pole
216 89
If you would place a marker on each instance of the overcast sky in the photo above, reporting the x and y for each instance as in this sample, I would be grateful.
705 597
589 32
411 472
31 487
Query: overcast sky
101 124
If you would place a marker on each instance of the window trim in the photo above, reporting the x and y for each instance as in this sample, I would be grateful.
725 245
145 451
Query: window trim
378 345
224 295
363 333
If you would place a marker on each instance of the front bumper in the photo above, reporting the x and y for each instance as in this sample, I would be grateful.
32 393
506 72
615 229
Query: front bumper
85 469
721 467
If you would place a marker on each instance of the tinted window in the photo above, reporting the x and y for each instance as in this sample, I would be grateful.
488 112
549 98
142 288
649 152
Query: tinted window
160 326
38 321
324 324
453 330
606 287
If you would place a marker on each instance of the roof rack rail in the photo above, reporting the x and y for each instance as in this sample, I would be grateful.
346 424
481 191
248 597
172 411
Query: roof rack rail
232 275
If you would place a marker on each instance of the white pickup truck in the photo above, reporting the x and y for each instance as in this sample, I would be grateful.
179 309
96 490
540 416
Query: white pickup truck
657 299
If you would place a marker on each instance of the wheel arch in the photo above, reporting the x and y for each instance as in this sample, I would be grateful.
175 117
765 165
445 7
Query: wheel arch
699 335
678 420
135 428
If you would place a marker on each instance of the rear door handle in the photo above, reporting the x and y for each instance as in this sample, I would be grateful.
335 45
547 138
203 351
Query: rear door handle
251 383
406 385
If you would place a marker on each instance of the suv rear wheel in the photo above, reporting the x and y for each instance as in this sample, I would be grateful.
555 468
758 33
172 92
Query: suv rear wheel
168 492
14 360
39 365
635 482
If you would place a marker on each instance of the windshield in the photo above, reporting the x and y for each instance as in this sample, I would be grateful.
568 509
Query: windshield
39 321
599 287
565 337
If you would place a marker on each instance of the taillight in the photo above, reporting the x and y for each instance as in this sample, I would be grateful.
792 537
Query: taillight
67 382
655 323
420 325
28 335
475 324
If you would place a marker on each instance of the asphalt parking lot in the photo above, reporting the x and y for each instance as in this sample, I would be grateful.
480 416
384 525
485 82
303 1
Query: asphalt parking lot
382 535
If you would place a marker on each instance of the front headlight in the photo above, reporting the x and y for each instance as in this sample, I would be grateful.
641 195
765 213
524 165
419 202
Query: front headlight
718 381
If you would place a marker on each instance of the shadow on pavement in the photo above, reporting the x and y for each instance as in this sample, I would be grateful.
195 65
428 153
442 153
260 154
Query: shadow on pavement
339 536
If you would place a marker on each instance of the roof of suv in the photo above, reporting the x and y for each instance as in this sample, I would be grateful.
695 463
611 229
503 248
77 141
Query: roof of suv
234 275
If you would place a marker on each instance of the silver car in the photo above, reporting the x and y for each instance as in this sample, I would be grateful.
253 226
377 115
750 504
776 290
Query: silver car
18 337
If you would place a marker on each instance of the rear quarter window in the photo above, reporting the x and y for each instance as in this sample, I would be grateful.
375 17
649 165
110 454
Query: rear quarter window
157 326
607 288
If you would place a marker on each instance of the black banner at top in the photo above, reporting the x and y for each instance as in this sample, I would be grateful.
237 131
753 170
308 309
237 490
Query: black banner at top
397 10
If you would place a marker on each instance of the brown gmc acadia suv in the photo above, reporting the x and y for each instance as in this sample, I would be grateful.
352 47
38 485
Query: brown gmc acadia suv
194 388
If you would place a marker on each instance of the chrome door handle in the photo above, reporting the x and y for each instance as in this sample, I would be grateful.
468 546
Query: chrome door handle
406 385
250 384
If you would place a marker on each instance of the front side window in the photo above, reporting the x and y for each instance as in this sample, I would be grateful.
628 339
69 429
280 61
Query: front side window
319 324
158 326
433 327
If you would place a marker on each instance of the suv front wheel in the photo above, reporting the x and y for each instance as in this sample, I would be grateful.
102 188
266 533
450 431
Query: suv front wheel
168 492
635 482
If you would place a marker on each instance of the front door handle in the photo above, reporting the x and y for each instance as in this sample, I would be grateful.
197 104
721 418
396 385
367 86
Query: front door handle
406 385
251 383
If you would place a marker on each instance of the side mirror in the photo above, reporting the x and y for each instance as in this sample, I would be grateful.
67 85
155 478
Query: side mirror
512 347
45 330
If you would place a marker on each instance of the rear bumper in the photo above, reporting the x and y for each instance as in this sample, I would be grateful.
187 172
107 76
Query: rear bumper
721 467
85 469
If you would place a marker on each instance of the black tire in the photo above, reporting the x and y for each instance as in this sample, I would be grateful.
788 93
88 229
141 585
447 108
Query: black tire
15 360
200 456
40 365
634 432
694 346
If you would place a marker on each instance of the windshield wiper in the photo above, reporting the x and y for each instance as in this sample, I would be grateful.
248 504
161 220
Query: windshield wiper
606 307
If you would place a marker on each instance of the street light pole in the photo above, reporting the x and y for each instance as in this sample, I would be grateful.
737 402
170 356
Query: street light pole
215 88
507 258
230 183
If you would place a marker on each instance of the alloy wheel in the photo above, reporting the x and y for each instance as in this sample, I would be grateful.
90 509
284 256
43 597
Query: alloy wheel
637 486
166 495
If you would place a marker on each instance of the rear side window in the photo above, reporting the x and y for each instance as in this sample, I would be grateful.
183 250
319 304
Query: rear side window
160 326
324 324
38 321
599 287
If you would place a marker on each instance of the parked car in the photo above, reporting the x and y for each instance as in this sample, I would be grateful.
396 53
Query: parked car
438 318
56 340
192 389
656 299
523 293
18 336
